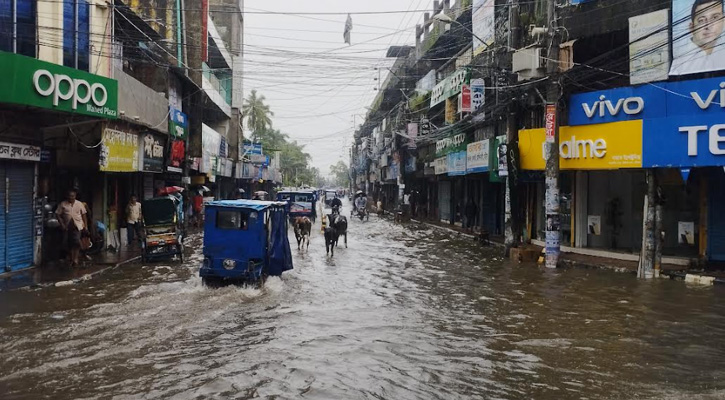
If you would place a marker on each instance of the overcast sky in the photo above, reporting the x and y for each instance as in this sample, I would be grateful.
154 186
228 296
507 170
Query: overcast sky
312 80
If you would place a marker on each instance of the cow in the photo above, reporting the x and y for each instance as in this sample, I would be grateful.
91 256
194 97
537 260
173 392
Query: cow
303 227
330 239
339 224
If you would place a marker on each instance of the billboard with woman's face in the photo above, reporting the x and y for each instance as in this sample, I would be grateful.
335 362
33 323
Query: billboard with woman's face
698 43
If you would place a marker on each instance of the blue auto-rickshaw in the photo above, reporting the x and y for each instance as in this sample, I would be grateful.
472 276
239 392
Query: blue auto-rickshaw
244 241
300 203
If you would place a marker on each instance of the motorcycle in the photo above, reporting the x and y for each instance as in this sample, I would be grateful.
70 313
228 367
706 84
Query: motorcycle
363 214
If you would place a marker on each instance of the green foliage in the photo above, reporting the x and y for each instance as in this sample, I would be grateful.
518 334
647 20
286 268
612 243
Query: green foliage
257 113
340 174
294 161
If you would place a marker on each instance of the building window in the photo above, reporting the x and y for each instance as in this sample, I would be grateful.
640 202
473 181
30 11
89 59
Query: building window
17 27
76 34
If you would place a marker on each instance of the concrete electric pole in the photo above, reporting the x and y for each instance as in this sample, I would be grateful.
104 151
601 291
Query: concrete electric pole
553 93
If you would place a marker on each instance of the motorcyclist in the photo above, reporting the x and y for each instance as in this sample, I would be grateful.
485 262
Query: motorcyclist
336 203
361 203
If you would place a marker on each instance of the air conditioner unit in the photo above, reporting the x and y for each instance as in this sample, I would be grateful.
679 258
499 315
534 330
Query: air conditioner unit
529 63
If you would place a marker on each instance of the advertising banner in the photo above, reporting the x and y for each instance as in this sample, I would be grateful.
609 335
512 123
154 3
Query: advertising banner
591 147
453 143
441 165
252 148
210 146
451 106
152 153
649 48
448 87
697 30
119 151
550 123
621 104
412 134
178 124
478 94
464 105
32 82
178 151
681 122
12 151
477 156
456 163
483 24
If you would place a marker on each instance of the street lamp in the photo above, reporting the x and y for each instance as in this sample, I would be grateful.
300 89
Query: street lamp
443 17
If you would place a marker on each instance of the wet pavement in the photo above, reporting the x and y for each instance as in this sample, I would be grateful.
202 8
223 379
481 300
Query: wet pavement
406 312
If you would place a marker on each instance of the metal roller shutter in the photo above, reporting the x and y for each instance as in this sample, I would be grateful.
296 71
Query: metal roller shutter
19 215
716 233
3 260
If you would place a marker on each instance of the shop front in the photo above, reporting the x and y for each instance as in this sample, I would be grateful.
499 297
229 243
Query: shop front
601 185
61 109
682 127
20 225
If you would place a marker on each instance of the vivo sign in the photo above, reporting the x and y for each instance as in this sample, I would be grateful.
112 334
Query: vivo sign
616 105
683 123
603 107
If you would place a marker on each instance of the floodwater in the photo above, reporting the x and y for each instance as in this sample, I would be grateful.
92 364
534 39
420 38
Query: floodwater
405 312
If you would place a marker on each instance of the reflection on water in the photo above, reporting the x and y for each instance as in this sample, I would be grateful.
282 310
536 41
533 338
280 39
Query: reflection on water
403 313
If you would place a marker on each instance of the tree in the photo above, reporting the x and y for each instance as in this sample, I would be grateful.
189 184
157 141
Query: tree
340 174
257 113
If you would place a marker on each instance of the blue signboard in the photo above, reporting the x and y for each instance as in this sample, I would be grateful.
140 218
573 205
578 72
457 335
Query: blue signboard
252 148
683 122
621 104
456 163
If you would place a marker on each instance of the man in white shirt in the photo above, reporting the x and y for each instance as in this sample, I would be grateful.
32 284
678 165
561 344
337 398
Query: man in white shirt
704 50
72 218
133 218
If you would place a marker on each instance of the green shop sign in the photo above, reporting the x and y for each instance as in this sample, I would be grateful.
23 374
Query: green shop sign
46 85
452 144
448 87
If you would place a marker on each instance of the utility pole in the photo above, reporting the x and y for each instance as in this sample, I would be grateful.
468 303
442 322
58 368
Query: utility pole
553 92
511 206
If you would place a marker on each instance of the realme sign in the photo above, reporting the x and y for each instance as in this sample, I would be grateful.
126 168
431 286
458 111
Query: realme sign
588 147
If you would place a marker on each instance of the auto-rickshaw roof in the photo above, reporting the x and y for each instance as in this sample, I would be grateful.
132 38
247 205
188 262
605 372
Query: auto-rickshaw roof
306 191
256 205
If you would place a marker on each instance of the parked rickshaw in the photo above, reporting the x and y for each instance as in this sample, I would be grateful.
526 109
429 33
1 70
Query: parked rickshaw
244 241
300 203
163 228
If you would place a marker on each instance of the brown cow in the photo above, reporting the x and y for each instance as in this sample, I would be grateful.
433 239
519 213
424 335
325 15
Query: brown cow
303 227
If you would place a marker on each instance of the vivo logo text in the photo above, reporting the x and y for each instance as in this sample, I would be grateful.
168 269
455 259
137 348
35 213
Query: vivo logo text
604 107
710 99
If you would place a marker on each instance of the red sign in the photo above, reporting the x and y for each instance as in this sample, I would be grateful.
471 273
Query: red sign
177 153
550 122
465 105
204 30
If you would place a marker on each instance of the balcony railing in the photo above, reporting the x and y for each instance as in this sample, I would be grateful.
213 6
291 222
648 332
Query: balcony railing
220 81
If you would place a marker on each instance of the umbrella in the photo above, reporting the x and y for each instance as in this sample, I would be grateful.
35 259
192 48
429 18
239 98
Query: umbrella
170 190
260 193
359 192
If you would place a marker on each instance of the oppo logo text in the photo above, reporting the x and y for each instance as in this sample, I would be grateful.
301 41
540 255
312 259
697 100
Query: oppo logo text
73 90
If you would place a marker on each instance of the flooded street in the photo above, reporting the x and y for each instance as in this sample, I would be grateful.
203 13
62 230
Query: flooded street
406 312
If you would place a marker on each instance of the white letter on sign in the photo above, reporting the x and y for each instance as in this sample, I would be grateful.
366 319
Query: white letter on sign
692 132
715 139
62 96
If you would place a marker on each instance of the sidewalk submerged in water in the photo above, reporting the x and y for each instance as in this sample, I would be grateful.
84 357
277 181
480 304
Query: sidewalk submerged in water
572 260
60 274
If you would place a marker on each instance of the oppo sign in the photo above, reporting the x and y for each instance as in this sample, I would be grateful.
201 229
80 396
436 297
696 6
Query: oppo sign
79 91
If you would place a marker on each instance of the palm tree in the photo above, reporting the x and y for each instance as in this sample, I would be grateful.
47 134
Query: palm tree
258 114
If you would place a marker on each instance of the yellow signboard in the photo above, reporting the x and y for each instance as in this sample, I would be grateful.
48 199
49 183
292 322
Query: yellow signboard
602 146
119 151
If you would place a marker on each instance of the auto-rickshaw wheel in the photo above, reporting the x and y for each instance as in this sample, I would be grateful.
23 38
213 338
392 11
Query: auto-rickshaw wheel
211 282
